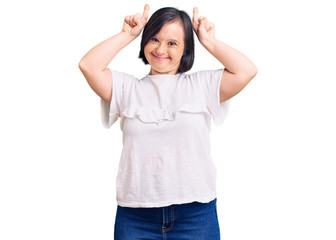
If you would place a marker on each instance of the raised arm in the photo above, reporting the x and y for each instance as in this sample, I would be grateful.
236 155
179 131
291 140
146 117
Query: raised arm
239 70
94 64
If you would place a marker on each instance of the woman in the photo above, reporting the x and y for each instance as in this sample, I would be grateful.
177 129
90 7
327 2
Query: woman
166 183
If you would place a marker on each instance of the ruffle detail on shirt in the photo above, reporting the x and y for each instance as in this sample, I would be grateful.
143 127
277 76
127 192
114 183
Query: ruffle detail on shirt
157 115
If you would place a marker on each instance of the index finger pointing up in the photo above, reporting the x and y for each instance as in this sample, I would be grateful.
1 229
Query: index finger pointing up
145 12
195 16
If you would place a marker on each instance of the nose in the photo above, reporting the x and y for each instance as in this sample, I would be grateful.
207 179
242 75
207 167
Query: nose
161 49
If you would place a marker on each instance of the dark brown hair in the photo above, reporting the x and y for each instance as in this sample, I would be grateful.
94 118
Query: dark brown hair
154 25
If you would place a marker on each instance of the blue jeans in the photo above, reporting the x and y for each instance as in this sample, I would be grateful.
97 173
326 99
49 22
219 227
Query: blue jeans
190 221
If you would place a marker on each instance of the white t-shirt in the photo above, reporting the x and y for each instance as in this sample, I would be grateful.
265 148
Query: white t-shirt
166 121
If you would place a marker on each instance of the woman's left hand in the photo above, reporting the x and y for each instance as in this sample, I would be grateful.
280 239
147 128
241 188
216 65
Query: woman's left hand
204 29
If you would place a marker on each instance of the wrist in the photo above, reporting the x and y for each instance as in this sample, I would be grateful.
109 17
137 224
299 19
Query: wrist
128 36
210 44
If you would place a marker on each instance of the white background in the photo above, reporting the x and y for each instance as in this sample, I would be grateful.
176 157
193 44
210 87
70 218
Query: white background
275 154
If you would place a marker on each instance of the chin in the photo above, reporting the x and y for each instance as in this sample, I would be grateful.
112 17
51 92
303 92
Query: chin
163 71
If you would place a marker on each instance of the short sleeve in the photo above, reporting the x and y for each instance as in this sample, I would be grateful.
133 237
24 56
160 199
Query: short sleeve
210 81
110 112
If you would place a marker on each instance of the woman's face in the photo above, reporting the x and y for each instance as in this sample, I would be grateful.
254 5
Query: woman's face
164 51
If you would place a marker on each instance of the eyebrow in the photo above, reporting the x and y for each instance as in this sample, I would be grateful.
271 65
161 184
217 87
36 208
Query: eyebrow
173 40
170 40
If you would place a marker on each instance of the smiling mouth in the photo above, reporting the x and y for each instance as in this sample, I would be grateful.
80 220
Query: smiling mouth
160 58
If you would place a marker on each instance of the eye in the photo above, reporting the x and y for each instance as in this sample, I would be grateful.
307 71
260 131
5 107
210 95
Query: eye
154 39
172 43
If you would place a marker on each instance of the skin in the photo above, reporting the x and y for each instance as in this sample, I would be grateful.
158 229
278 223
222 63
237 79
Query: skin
164 51
162 57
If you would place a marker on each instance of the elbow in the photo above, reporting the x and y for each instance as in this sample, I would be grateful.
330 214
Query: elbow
254 72
85 67
247 76
251 73
81 65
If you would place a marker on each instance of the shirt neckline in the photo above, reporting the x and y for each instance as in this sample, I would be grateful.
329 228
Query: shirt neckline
163 76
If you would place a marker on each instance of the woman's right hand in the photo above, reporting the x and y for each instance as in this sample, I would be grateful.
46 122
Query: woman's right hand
133 24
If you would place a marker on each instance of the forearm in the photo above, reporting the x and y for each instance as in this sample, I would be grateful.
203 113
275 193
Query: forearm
234 61
100 56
